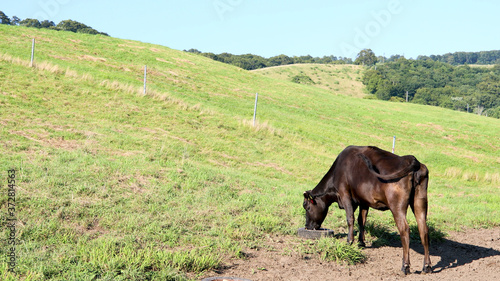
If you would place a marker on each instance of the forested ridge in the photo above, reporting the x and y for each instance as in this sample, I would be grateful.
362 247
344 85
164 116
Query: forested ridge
425 81
65 25
252 62
457 58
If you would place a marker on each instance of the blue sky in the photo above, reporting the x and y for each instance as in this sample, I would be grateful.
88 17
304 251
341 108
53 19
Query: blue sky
291 27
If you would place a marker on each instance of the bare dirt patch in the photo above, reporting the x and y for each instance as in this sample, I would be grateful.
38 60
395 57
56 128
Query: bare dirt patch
468 255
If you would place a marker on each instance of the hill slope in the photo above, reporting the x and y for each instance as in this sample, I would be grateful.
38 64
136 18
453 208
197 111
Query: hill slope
114 184
337 78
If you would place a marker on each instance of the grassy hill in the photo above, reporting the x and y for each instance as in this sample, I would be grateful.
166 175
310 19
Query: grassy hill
112 184
337 78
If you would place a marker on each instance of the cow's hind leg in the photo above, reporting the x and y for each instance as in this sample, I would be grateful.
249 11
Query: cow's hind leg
404 232
419 208
363 213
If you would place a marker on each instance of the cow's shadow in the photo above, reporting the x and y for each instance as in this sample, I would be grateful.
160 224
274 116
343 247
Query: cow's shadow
453 254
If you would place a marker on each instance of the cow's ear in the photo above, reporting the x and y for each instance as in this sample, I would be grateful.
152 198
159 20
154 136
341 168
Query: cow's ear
308 196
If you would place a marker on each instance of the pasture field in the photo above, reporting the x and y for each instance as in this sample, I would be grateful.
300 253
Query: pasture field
112 184
336 78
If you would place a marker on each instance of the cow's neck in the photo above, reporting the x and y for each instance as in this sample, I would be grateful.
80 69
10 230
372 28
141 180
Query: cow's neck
326 190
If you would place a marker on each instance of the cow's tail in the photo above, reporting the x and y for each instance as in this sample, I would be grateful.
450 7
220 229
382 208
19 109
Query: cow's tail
413 166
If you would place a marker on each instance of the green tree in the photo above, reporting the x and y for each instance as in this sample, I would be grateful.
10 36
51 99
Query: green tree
74 26
71 25
194 51
490 84
426 96
30 23
372 79
493 112
366 57
88 30
15 20
210 55
4 19
386 90
279 60
303 59
47 24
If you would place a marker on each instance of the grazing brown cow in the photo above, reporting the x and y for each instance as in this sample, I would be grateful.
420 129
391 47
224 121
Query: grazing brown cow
367 176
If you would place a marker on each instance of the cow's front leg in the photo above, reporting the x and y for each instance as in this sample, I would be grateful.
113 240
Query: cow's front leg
363 213
349 210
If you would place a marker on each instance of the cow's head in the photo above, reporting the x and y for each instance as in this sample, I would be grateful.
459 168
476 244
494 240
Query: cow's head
316 210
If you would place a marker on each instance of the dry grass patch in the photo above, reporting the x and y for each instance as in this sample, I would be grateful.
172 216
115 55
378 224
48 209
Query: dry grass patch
458 173
260 126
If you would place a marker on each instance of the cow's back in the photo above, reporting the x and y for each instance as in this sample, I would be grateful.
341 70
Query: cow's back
349 169
352 176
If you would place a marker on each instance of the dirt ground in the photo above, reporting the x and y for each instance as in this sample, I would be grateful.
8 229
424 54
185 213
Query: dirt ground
469 255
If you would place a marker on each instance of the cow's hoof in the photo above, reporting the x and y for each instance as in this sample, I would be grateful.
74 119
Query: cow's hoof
406 269
427 268
361 244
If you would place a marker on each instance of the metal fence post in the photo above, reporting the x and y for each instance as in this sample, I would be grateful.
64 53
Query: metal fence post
145 77
255 108
32 52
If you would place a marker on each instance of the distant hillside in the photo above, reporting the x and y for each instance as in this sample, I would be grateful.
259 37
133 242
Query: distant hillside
464 88
251 62
338 78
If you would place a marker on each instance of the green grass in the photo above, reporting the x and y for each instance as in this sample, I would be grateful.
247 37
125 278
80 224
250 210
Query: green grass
340 251
117 185
335 78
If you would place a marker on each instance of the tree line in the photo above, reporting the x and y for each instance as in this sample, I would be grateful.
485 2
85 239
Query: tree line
483 57
251 62
65 25
432 82
365 57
